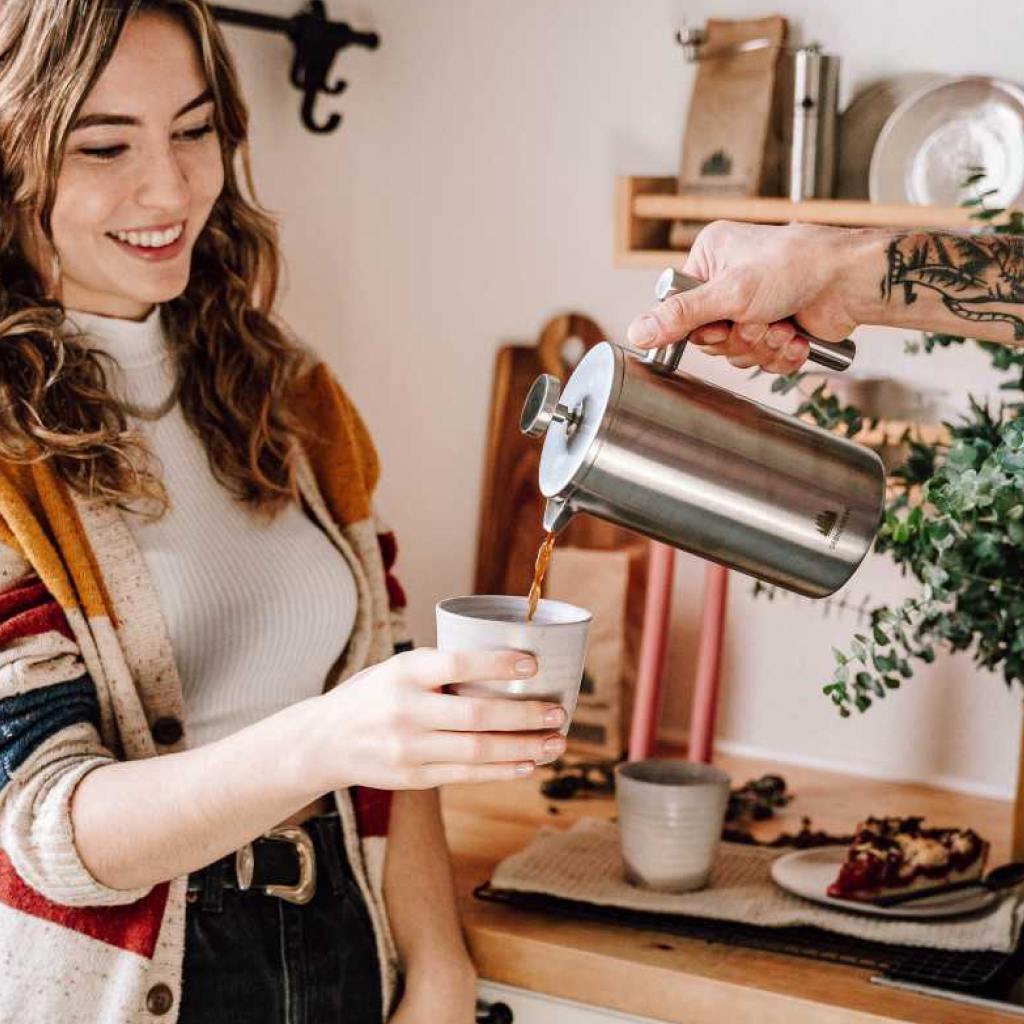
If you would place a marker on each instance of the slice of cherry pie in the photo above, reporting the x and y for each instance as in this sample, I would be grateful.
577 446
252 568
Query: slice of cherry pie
896 855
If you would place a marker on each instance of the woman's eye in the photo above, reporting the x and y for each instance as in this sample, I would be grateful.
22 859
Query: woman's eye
196 133
110 152
103 152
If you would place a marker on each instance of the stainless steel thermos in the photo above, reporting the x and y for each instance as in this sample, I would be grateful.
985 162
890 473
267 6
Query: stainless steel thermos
640 443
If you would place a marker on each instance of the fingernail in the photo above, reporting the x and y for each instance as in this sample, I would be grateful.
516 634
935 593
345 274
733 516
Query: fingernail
525 768
713 335
751 332
554 744
526 667
777 336
796 350
645 332
555 717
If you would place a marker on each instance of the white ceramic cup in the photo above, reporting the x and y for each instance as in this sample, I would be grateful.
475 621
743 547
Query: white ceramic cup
670 822
557 638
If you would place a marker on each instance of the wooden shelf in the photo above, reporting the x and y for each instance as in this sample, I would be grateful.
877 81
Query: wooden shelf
646 207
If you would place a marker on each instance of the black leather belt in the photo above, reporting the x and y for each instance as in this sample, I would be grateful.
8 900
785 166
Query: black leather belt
281 862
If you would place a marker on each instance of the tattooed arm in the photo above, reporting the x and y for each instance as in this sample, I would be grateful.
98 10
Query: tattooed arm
974 278
830 280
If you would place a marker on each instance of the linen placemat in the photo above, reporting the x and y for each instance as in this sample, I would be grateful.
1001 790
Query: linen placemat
584 863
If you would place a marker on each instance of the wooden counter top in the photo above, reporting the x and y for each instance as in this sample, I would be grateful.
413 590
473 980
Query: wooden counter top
688 981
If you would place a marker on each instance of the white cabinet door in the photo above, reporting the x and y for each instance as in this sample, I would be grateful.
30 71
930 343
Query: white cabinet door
532 1008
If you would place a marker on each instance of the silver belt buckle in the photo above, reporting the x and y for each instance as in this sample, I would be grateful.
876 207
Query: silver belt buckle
245 865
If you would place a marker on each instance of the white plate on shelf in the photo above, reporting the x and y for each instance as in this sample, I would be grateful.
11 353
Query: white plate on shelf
809 873
862 121
931 139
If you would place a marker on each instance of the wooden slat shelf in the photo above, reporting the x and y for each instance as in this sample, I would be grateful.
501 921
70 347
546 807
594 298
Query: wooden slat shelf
646 207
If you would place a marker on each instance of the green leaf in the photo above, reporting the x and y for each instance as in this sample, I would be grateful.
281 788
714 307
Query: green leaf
883 663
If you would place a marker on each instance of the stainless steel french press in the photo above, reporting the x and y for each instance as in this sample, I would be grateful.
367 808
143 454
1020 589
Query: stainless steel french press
641 443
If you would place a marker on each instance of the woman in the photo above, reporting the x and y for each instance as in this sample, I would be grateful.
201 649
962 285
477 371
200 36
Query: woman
202 715
759 279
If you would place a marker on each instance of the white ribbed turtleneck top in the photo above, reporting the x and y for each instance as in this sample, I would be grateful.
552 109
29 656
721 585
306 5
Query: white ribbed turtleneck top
257 612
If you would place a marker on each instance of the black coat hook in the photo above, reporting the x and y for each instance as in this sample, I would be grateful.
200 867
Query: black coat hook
317 41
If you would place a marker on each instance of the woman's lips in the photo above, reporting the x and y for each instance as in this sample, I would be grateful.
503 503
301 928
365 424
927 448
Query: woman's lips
152 254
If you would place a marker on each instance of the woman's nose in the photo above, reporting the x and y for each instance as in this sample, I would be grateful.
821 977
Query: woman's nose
163 184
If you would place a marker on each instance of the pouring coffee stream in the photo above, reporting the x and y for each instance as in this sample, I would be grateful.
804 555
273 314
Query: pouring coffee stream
540 569
640 443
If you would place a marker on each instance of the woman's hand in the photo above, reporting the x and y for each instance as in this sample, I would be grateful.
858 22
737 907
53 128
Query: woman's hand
390 727
757 276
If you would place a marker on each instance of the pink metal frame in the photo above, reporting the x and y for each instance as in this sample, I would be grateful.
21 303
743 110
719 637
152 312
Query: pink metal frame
653 644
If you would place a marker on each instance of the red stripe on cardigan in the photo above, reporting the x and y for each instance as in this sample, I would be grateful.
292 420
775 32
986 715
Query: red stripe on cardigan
373 811
35 621
29 610
388 549
389 552
134 927
17 599
396 595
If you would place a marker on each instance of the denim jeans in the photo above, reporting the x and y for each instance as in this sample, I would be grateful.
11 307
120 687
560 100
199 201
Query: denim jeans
257 959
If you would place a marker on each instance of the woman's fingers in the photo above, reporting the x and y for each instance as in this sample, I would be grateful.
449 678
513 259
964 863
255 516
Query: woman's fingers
430 776
430 668
486 714
435 747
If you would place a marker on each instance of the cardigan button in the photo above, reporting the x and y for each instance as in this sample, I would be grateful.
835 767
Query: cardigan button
159 1000
167 731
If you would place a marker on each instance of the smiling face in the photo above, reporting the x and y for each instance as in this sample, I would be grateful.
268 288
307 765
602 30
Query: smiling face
141 171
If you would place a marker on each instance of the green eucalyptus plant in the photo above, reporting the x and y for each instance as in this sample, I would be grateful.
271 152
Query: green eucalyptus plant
955 522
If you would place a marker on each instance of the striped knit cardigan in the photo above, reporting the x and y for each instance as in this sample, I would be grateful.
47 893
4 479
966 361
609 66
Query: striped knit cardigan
86 672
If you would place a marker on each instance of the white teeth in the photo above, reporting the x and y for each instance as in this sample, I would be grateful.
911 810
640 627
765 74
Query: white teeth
151 239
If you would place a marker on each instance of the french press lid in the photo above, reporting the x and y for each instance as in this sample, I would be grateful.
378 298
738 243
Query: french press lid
574 418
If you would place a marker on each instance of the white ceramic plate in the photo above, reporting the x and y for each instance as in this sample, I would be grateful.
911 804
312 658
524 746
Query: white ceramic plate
809 873
862 121
937 133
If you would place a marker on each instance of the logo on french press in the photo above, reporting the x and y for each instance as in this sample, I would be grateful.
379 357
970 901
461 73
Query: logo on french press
831 525
826 520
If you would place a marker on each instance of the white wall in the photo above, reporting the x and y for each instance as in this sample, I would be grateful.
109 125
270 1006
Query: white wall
467 198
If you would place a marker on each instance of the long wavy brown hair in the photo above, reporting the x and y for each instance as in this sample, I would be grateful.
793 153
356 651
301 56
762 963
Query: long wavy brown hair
236 365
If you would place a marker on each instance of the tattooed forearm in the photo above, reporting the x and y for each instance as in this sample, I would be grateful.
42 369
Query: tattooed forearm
971 273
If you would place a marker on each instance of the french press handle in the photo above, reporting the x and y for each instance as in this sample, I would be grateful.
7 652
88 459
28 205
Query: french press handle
833 355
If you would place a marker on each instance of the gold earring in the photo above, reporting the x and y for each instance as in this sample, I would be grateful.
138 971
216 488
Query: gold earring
55 269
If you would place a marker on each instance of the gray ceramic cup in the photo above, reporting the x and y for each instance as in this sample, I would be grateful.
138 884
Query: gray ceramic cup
670 822
557 638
